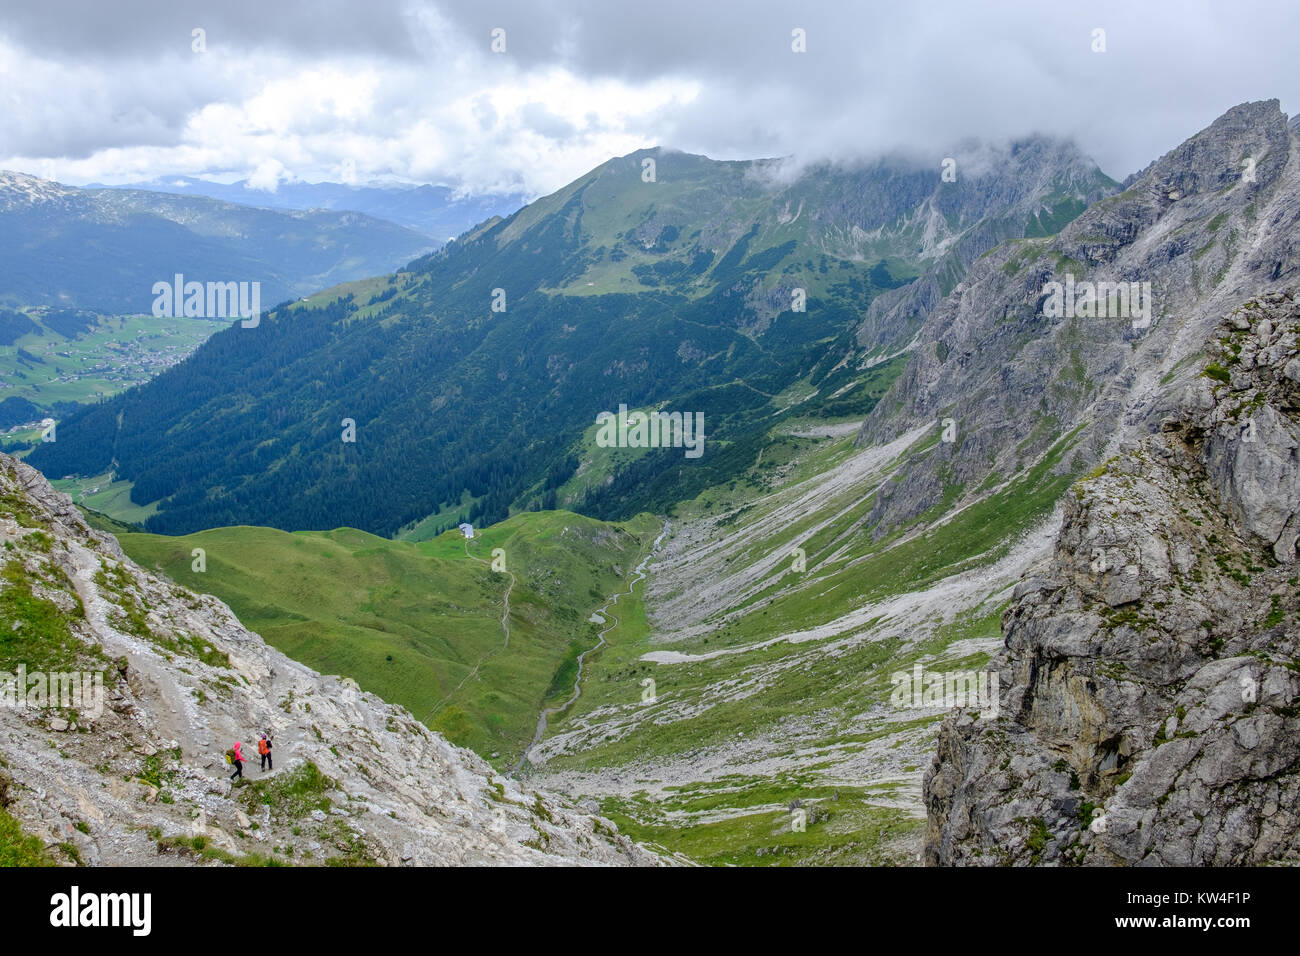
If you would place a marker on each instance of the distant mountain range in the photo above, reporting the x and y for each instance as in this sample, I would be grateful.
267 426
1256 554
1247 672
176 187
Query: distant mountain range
434 211
103 249
733 289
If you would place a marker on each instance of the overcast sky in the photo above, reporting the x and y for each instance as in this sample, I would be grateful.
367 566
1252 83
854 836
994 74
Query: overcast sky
342 91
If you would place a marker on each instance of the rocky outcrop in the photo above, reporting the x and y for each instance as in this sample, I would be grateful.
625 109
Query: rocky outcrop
1210 223
1247 422
142 780
1151 711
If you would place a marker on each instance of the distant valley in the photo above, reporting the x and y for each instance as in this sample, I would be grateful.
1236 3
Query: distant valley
103 249
725 289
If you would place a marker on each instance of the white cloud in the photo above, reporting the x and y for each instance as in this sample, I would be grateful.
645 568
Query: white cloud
523 130
268 176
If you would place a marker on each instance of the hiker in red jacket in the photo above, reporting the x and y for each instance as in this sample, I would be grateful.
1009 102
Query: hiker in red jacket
264 749
238 761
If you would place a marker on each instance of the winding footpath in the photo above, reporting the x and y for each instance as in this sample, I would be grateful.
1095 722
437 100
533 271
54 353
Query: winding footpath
611 621
505 626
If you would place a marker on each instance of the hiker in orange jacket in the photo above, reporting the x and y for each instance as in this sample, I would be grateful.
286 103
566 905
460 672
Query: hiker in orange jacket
264 749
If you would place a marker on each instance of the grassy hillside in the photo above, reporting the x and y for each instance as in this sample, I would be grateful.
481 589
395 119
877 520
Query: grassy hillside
421 624
474 375
101 493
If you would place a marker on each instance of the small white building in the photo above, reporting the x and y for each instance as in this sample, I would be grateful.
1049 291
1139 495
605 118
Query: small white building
467 530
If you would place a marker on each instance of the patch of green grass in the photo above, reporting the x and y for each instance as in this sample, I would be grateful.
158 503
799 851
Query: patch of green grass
36 630
18 848
152 772
562 683
1217 372
20 509
1037 839
102 522
293 795
352 849
1275 613
202 848
130 614
109 498
419 623
847 832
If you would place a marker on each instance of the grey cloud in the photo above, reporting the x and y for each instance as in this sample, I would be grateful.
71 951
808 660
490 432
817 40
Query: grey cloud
879 76
95 29
875 78
541 120
119 108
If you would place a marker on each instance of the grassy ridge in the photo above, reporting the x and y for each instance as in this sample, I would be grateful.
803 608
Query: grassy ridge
419 623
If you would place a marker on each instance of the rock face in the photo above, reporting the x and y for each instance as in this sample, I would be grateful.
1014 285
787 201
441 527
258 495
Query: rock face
1151 711
1209 224
142 780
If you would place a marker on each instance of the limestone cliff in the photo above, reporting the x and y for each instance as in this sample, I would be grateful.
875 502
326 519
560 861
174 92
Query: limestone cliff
1151 705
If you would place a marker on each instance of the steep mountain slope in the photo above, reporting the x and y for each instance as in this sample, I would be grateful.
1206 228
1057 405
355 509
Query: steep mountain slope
788 600
433 211
1210 223
1151 710
142 781
104 249
477 373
